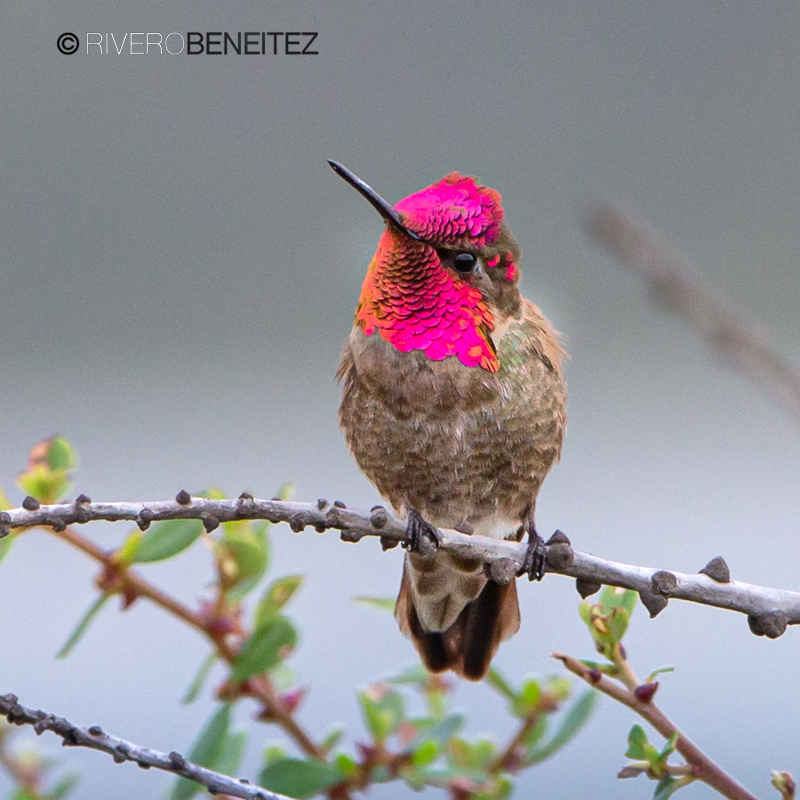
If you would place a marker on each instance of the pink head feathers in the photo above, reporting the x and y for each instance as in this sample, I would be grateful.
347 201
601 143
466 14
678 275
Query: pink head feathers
410 298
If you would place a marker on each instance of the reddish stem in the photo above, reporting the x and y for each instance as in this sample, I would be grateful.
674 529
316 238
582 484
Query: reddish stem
703 768
129 583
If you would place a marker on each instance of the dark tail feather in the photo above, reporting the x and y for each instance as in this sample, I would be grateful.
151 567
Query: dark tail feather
430 646
469 644
486 621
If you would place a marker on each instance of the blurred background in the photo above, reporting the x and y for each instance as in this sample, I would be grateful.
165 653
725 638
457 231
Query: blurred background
179 268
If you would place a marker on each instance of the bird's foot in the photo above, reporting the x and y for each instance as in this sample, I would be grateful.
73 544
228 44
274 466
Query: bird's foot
556 551
534 562
420 534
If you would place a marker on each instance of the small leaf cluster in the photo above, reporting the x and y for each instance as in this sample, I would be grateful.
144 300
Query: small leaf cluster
650 761
48 475
534 703
608 621
430 749
46 478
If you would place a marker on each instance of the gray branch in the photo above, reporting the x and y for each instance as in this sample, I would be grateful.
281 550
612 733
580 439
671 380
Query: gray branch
769 610
120 750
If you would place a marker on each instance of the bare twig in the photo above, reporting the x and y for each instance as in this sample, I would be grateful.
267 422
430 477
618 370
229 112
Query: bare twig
769 610
120 750
702 767
670 278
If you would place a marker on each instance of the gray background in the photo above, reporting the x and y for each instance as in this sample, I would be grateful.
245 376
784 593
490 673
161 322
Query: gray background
180 268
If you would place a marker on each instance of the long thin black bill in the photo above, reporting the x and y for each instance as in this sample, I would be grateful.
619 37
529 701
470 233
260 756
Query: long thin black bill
380 205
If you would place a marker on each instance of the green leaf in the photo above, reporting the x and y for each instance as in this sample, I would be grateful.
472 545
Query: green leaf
418 778
571 723
127 551
500 684
267 647
81 627
415 676
383 709
381 775
530 694
536 733
637 739
440 731
618 624
471 759
381 603
46 476
658 671
60 454
614 597
437 702
298 778
213 493
23 794
478 755
43 483
199 679
206 751
63 786
232 753
275 598
560 687
331 739
5 545
166 539
653 758
425 754
347 766
283 677
666 787
500 791
669 747
585 612
244 550
458 753
285 491
273 753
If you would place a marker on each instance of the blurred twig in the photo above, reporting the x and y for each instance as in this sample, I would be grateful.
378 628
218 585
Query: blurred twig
769 610
670 279
121 751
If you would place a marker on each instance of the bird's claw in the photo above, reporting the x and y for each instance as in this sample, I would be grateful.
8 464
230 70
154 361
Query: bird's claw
535 556
419 529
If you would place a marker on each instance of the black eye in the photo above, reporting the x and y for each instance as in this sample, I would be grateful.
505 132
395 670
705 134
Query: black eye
465 262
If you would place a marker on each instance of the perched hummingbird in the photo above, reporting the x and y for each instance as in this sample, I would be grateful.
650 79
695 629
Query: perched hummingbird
454 407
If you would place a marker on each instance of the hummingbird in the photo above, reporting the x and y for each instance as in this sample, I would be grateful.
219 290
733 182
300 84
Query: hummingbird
454 407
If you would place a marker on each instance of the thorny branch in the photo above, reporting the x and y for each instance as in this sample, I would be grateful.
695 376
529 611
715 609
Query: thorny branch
668 274
121 750
769 610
